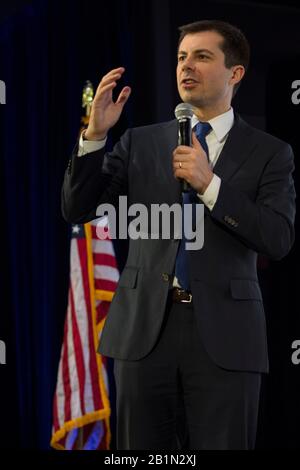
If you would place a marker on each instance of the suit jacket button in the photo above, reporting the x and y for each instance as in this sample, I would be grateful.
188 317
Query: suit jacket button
166 277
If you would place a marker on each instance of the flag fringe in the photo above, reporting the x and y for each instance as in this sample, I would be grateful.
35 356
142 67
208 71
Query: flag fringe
79 423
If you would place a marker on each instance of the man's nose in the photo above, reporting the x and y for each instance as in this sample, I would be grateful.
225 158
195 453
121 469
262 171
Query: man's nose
188 64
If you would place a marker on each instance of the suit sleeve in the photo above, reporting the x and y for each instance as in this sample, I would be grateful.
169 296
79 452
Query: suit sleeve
266 224
94 179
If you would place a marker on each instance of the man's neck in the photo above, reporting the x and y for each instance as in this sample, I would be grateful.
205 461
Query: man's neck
205 115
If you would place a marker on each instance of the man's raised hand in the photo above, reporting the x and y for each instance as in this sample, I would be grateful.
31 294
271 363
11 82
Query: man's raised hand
105 112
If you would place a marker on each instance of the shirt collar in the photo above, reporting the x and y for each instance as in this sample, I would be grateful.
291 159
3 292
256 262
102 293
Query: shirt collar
221 124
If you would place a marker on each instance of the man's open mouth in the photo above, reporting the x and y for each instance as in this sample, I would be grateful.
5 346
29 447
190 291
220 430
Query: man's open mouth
188 82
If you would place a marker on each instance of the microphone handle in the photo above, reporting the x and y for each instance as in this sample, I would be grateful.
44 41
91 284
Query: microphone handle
185 138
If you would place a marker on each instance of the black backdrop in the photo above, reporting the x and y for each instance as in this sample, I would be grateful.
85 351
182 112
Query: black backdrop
47 51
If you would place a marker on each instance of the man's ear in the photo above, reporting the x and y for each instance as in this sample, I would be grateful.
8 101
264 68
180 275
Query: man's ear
237 73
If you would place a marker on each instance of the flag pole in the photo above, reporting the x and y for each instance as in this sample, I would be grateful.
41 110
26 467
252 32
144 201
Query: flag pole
87 100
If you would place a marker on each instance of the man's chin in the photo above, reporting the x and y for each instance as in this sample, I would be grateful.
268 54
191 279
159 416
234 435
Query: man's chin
191 98
194 101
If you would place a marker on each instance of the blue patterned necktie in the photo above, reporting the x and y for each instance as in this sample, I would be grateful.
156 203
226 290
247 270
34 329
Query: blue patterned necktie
181 268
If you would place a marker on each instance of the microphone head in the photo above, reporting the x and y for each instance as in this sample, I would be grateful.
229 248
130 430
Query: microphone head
184 111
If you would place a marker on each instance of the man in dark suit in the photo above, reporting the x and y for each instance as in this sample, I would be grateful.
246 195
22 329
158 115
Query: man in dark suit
188 326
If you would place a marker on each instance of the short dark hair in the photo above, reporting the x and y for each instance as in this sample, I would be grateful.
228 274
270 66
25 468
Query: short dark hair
235 46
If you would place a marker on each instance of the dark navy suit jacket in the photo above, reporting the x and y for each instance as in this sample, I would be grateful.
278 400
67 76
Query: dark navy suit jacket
254 213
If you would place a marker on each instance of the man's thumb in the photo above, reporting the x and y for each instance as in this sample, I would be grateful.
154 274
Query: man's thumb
124 95
195 141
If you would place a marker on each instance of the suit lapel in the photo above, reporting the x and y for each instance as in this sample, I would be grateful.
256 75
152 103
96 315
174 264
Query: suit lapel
238 147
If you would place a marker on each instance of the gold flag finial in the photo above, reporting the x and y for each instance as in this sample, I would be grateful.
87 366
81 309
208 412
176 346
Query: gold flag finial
87 100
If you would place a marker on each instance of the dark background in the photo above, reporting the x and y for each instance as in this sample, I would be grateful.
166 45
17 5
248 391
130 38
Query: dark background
47 51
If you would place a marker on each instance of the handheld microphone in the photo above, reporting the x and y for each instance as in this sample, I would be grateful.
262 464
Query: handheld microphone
184 113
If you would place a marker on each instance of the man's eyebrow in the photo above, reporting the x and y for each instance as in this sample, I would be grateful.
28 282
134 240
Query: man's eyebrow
197 51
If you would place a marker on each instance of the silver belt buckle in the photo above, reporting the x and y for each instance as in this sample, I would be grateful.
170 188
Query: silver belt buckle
189 300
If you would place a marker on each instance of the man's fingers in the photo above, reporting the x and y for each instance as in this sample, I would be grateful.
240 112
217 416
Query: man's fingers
112 78
109 81
182 149
181 174
104 90
119 70
181 156
124 95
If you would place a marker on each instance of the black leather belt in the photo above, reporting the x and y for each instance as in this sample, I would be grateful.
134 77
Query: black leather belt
181 296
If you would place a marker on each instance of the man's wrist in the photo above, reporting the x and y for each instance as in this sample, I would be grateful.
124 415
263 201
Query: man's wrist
89 146
86 135
210 196
206 184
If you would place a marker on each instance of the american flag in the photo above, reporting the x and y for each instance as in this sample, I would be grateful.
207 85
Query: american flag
81 407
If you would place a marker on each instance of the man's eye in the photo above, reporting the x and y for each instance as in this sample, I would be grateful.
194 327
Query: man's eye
180 58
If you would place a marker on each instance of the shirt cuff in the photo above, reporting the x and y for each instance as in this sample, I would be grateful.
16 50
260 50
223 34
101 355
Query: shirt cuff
89 146
210 196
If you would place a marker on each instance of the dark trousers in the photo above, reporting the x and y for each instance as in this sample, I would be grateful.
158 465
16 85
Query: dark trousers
220 406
